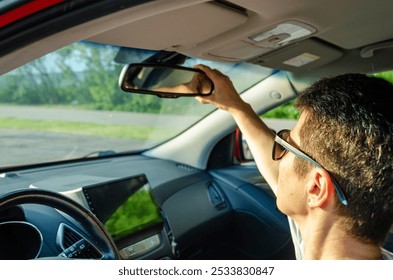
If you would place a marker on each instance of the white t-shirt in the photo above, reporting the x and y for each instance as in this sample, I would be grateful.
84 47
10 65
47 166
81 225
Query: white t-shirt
297 239
386 255
299 245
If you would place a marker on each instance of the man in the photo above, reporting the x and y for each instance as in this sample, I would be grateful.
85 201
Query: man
333 173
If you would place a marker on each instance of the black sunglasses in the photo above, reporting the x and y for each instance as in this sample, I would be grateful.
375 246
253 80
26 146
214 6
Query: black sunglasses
281 146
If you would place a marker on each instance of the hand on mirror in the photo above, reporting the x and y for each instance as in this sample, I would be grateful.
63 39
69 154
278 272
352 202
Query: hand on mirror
200 84
225 96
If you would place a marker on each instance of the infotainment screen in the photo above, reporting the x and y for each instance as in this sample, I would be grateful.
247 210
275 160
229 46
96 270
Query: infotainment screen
124 206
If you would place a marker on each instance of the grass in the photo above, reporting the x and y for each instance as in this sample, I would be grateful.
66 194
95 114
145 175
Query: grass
102 130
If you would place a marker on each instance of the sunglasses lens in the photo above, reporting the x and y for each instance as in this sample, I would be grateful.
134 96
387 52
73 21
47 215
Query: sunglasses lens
278 150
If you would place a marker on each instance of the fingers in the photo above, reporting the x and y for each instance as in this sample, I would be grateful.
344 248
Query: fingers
219 80
213 74
225 95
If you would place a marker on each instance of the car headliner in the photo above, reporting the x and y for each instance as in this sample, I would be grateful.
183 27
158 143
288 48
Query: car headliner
350 36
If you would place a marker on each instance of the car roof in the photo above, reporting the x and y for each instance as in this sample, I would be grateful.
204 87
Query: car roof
309 38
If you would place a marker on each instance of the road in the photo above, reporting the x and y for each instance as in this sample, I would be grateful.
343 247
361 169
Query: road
27 146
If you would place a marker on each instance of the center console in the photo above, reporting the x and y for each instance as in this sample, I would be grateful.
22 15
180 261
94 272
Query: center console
129 212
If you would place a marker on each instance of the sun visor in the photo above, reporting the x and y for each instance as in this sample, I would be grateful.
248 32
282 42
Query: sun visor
288 45
300 56
167 30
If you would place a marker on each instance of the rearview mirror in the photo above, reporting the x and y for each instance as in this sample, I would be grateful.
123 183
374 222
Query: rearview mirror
167 81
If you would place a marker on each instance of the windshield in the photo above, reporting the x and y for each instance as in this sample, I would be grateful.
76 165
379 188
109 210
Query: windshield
68 105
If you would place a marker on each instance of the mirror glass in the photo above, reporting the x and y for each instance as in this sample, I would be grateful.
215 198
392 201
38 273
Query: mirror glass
168 81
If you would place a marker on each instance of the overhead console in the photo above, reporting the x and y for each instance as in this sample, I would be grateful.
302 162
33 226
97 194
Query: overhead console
291 44
263 40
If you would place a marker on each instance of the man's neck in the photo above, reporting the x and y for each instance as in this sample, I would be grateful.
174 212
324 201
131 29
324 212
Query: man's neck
340 249
326 240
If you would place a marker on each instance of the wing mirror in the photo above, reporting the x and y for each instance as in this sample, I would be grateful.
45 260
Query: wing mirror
167 81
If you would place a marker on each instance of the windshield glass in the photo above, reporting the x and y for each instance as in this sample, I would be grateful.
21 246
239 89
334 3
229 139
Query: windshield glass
68 105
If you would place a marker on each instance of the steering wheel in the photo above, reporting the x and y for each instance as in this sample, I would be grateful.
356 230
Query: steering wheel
93 226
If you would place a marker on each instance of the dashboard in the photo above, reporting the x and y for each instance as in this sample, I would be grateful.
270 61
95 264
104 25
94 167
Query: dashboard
152 209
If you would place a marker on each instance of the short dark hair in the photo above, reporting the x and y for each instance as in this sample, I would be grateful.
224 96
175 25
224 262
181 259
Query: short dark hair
349 131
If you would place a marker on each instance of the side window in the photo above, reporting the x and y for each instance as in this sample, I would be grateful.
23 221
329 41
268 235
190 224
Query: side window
282 117
388 75
286 111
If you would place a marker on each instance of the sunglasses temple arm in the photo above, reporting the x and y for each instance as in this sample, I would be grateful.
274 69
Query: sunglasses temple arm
300 154
340 193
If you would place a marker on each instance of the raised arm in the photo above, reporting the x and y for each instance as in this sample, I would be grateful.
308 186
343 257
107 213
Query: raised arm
259 136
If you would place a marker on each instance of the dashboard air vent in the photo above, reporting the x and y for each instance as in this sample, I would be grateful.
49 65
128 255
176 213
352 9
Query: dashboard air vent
69 238
187 167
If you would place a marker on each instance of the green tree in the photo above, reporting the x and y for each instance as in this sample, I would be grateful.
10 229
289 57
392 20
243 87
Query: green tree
285 111
388 75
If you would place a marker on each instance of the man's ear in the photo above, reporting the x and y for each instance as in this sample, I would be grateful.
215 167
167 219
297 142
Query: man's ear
320 188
